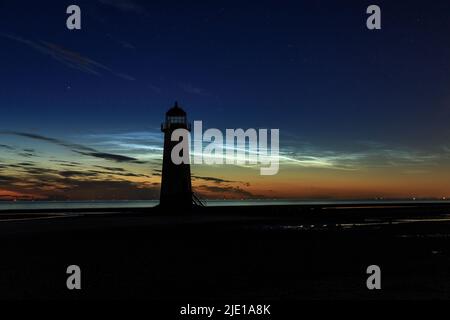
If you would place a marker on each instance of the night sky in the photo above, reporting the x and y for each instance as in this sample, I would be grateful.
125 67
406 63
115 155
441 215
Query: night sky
362 114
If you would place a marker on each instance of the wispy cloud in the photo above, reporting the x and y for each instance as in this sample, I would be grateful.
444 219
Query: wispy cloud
122 43
77 148
67 57
372 157
218 191
146 145
125 6
109 156
155 89
149 144
4 146
39 180
189 88
219 181
212 179
67 185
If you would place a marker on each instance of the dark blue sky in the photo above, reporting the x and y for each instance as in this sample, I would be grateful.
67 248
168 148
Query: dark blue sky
310 68
295 65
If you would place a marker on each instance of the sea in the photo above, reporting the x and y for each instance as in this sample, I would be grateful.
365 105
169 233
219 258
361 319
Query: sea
42 205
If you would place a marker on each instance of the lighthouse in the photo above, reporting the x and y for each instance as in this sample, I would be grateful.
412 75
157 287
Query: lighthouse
176 187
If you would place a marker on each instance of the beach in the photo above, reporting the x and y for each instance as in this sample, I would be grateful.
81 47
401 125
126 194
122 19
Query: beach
269 253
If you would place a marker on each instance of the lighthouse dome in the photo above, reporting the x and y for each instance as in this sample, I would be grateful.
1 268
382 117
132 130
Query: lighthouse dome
176 111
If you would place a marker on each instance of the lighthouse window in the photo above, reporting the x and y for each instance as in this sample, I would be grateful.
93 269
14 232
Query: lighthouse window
176 119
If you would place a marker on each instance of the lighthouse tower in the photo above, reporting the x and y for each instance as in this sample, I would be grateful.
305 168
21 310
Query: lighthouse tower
176 188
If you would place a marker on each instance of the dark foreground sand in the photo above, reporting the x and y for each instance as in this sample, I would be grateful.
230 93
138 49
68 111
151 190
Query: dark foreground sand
285 252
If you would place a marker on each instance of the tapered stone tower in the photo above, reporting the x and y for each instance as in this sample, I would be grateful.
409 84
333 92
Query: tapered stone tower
176 187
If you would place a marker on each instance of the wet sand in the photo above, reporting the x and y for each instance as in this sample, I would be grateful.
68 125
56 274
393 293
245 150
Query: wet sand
267 253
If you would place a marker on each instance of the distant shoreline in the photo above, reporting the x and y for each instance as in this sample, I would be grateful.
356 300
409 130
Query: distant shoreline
321 210
136 204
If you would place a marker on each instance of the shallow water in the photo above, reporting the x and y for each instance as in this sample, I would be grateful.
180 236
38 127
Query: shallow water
35 205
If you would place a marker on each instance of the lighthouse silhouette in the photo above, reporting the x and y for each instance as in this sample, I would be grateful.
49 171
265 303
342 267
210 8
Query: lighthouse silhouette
176 187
